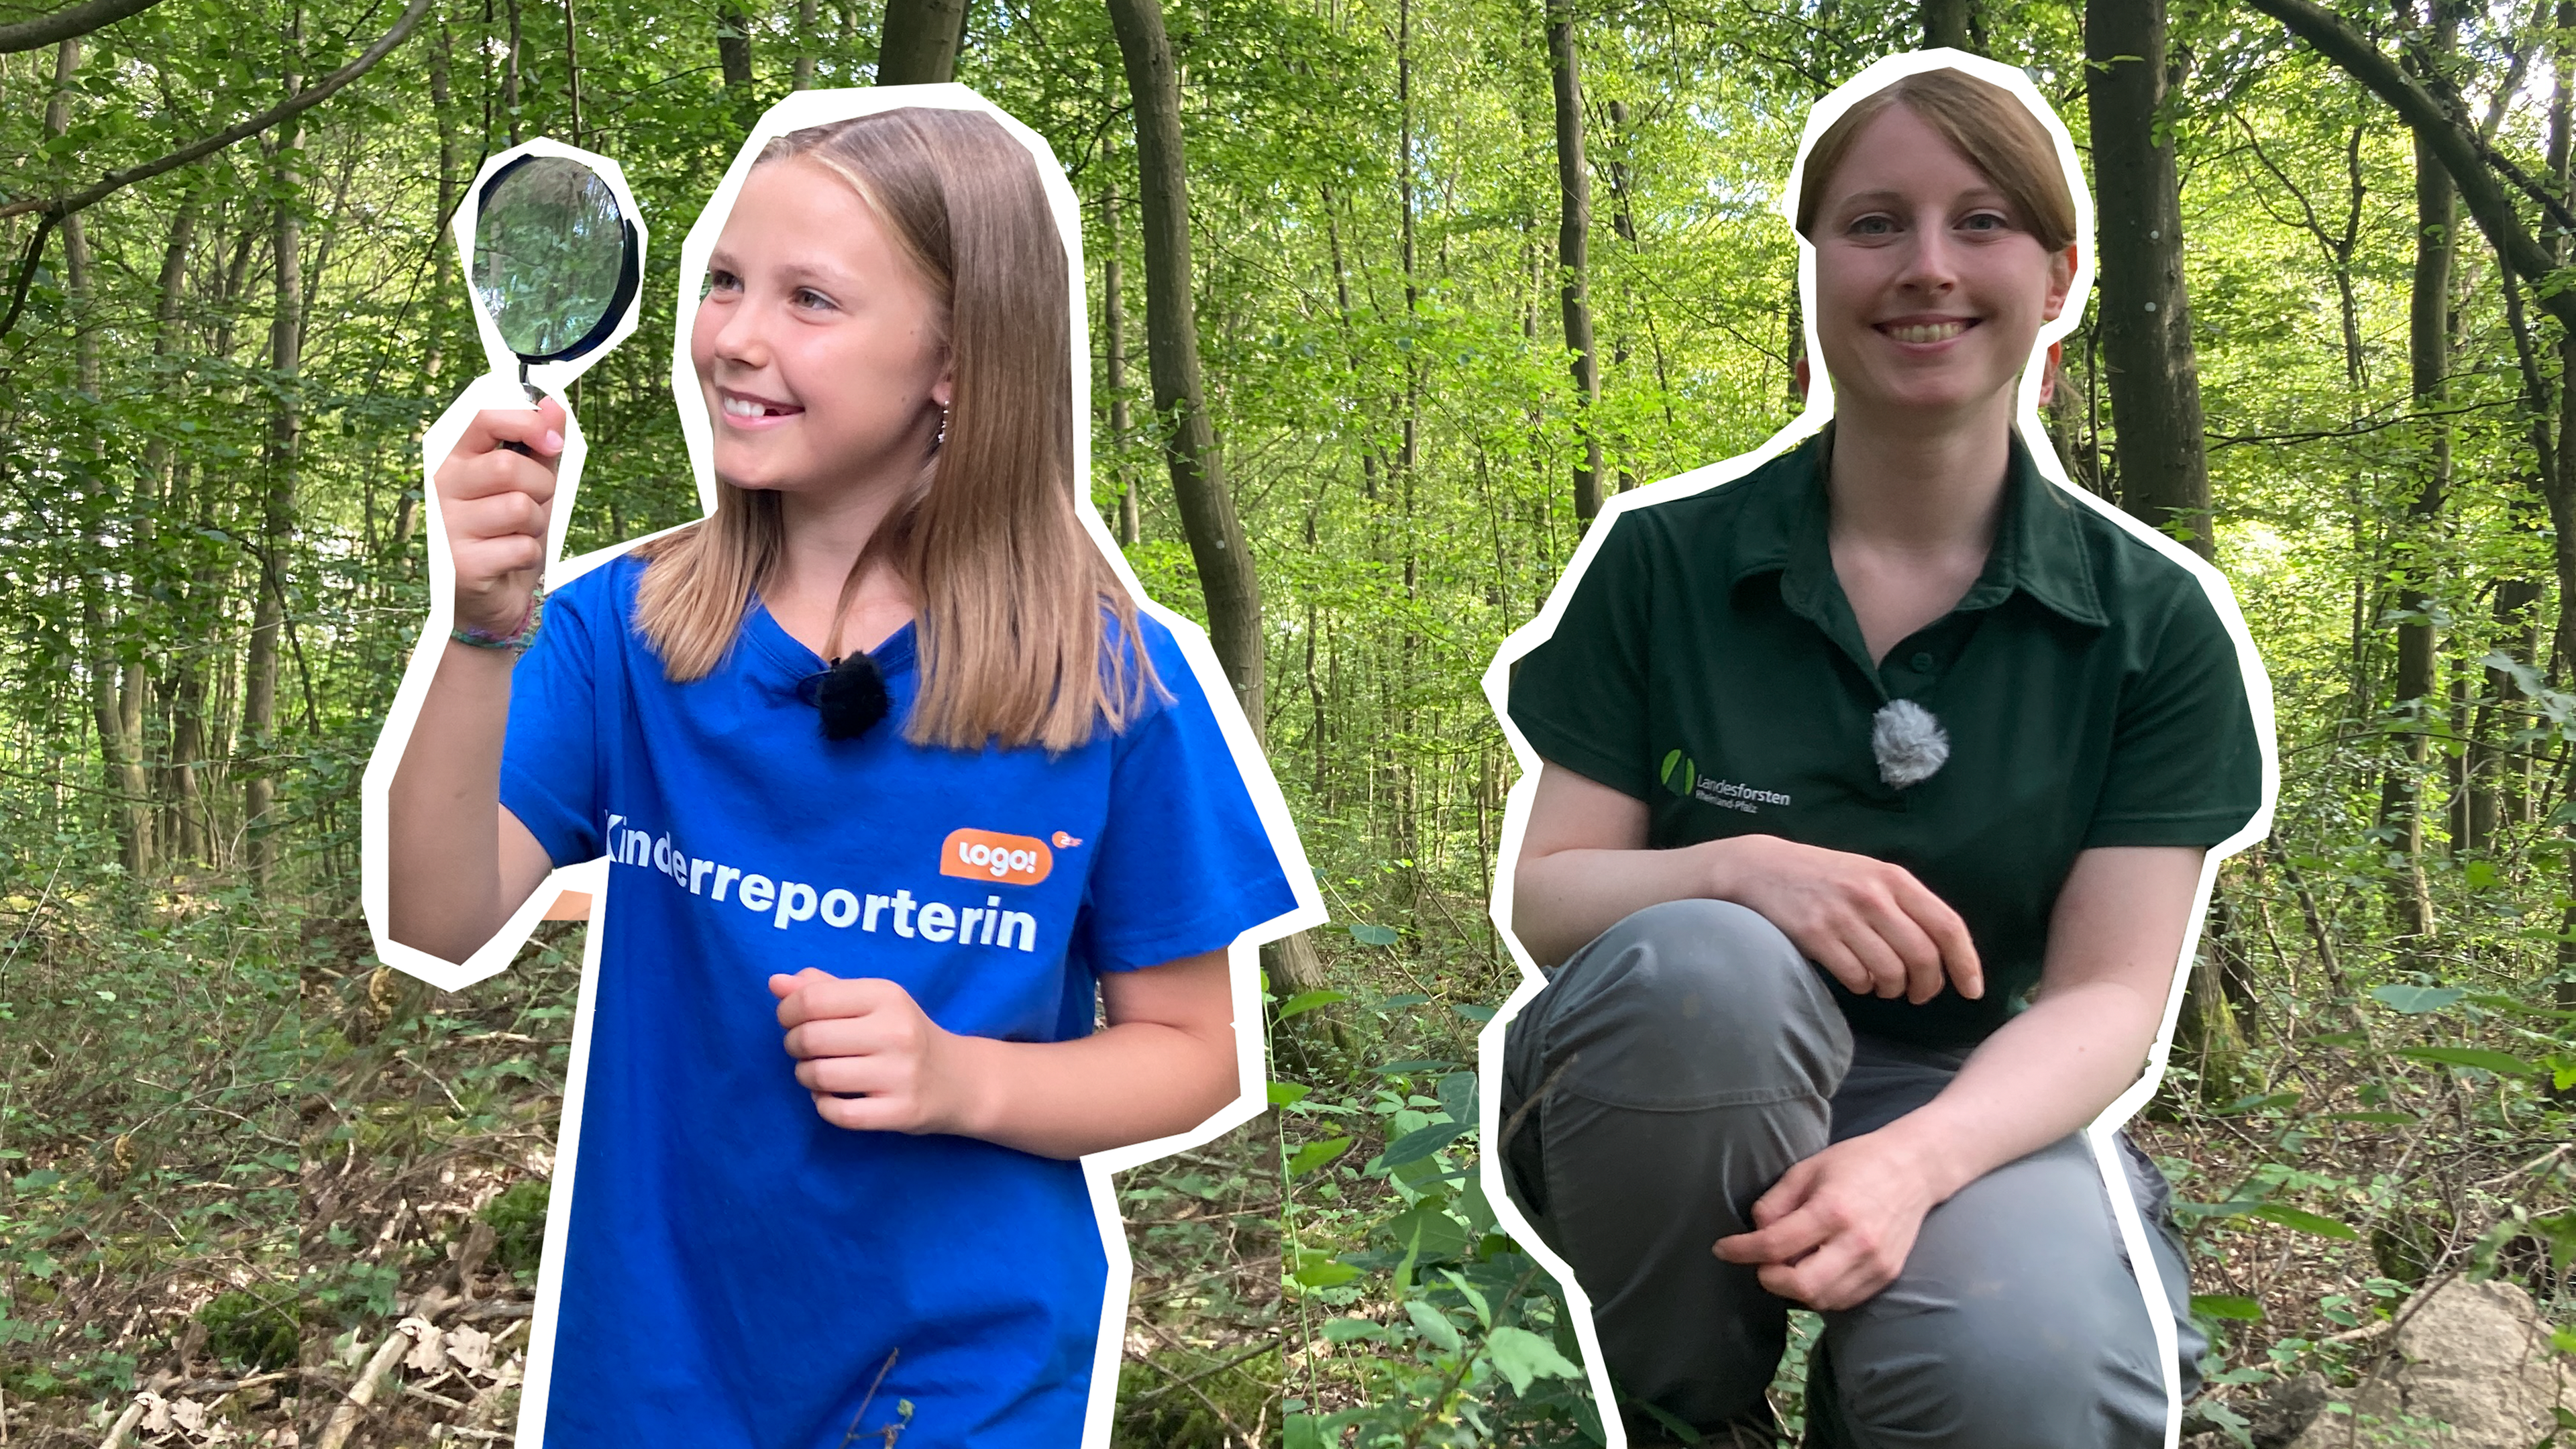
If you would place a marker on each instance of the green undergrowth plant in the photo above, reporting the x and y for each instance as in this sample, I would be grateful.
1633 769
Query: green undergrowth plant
1420 1321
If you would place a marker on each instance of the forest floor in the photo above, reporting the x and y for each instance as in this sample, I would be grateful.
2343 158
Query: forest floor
165 1132
2343 1150
184 1086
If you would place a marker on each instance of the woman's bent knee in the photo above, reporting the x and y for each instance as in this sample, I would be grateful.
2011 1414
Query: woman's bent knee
1689 1004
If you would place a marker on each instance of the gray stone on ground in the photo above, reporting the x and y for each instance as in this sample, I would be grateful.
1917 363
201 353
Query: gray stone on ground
2472 1369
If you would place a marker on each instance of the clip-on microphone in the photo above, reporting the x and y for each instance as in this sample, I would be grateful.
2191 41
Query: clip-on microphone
851 694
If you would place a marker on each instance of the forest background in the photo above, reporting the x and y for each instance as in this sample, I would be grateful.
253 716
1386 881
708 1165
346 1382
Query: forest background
1387 295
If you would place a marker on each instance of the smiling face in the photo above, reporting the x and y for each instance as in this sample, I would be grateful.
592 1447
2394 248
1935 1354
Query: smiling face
1930 288
819 345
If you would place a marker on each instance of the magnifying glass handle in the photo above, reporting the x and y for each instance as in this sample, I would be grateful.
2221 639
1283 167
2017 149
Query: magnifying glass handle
535 395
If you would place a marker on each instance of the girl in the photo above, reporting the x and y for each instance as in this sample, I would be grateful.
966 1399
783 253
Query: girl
842 1054
1877 789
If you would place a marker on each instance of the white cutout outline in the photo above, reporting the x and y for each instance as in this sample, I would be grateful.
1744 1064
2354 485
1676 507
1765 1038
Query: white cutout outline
499 389
1818 410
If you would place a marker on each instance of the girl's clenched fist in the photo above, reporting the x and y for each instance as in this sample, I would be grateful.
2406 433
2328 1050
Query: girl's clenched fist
495 503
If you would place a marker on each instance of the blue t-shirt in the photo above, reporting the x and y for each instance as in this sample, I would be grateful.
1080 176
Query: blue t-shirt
738 1270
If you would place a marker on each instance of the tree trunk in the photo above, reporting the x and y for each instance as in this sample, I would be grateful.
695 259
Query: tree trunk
1953 23
277 502
1574 250
2144 328
119 721
733 53
1113 327
1216 537
804 45
510 73
1217 543
922 38
2428 349
2145 320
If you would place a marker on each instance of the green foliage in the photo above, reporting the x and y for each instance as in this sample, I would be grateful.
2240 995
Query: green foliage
518 1221
250 1328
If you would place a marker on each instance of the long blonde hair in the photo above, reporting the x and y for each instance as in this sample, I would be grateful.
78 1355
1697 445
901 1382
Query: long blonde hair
1015 602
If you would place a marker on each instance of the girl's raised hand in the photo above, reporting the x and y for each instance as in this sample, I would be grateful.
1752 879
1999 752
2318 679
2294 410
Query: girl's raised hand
495 503
870 1038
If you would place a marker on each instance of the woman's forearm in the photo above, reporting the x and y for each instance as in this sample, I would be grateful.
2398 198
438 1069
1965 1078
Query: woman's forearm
442 810
2047 1072
1127 1083
1564 899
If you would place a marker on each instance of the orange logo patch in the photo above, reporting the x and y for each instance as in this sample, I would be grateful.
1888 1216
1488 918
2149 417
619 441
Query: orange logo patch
990 855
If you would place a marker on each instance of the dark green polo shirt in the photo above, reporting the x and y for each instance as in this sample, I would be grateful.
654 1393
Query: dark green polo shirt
1709 664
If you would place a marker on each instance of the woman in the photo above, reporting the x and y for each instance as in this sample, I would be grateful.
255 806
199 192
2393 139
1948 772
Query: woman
891 775
1876 793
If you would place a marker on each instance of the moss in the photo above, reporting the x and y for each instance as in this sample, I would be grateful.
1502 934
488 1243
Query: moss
1176 1418
518 1219
253 1329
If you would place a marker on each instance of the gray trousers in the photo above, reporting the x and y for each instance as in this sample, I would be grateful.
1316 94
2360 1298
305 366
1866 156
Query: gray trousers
1695 1056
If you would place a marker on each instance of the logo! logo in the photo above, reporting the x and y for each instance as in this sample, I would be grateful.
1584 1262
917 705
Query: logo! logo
990 855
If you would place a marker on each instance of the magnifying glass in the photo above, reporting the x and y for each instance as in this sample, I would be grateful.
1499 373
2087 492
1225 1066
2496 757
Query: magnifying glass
556 261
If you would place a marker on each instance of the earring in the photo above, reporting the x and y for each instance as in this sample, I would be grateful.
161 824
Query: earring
937 442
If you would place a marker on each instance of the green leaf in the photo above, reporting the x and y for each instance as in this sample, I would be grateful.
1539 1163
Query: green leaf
1472 1011
1428 1232
1521 1356
2227 1306
1288 1094
1306 1001
2563 1340
1349 1330
2500 1063
2384 1119
1433 1323
2560 1229
2415 1000
1368 935
2304 1221
1315 1154
1323 1272
1413 1146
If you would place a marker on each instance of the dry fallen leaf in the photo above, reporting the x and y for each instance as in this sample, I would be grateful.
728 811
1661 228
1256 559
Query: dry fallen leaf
471 1348
156 1413
190 1415
425 1356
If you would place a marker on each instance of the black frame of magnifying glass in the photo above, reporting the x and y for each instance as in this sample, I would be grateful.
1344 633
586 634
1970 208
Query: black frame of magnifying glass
630 278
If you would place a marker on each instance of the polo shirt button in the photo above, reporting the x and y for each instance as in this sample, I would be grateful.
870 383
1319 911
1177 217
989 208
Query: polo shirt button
1922 663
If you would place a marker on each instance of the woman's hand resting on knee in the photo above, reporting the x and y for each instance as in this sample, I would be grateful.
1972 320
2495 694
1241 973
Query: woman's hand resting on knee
1584 866
1836 1228
1876 928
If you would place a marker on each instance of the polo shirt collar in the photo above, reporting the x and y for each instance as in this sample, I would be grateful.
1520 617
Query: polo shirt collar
2039 547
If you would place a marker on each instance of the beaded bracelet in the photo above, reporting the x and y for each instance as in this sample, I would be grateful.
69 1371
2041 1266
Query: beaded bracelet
517 641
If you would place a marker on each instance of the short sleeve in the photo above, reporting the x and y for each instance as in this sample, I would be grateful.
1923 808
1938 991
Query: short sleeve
2186 767
1580 698
1185 864
550 756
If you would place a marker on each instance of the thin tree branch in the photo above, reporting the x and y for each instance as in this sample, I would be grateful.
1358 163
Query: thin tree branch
304 100
69 22
2443 133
